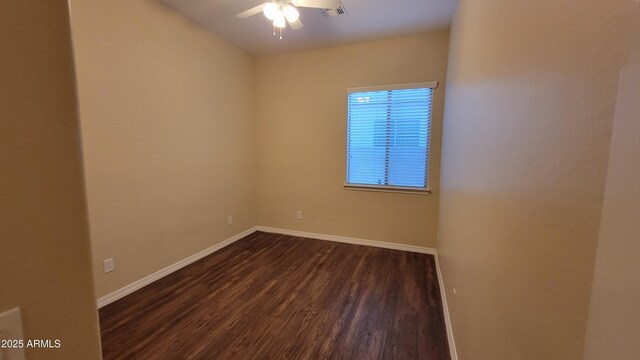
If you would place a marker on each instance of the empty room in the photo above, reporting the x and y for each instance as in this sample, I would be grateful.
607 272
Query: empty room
319 179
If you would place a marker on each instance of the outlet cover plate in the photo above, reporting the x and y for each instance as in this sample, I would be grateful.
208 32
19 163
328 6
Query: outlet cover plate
108 265
11 329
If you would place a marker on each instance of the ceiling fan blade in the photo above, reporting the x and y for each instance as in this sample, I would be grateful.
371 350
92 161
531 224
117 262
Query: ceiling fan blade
251 12
296 24
320 4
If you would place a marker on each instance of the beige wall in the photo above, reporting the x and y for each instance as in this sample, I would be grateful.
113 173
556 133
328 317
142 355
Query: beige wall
301 114
614 318
168 136
44 240
530 103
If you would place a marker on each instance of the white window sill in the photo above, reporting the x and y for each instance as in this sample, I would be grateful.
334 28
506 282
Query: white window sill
388 189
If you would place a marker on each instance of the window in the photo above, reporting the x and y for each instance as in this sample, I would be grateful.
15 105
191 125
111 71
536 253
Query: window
388 137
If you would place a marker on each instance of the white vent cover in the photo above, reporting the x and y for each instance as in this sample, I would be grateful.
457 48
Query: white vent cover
335 12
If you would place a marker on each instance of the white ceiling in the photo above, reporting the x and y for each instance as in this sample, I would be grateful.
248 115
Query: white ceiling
365 20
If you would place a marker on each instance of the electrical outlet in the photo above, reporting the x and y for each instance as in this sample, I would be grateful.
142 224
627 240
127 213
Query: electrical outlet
108 265
11 330
299 215
455 294
229 220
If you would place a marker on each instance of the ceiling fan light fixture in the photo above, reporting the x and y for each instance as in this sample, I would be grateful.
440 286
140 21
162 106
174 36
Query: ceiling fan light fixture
291 13
278 20
281 12
271 11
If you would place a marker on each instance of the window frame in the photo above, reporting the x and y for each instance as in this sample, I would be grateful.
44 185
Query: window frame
392 188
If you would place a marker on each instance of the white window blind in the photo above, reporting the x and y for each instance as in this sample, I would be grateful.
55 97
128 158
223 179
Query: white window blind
388 137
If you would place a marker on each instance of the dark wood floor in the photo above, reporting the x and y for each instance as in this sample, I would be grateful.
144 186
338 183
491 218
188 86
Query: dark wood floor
272 296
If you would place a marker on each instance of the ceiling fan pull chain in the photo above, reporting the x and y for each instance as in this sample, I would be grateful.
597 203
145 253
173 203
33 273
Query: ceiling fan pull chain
280 33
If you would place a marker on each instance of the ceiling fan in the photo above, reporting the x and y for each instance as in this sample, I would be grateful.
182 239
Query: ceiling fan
282 12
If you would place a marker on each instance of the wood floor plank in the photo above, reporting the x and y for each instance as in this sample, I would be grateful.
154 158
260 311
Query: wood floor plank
271 296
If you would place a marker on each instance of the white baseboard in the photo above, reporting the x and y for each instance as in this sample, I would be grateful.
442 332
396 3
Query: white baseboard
120 293
349 240
445 309
385 245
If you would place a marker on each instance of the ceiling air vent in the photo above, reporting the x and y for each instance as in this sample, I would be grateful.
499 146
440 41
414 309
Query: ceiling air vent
335 12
